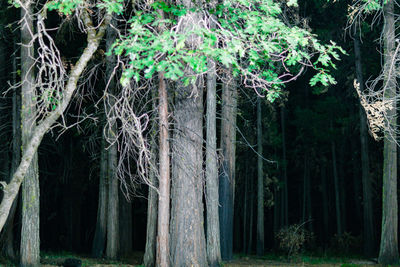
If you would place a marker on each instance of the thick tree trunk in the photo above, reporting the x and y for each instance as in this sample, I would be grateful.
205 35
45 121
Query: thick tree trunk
339 229
11 189
99 241
389 253
227 171
30 241
187 241
368 220
163 250
188 247
260 183
213 238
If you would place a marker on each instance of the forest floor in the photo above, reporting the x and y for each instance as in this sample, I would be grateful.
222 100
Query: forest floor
135 260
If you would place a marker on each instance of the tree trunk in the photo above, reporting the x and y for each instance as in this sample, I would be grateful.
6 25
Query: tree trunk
11 189
245 207
342 186
284 197
388 253
149 257
212 197
250 246
227 171
260 183
100 234
163 238
30 241
187 241
339 229
368 220
188 247
112 249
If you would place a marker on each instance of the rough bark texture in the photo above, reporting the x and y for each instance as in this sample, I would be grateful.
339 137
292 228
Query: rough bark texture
389 253
188 246
30 240
11 189
99 241
112 249
227 171
260 183
368 220
213 238
149 257
163 251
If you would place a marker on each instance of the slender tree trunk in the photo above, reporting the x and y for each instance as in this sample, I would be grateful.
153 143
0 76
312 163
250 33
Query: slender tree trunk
368 220
212 197
342 187
250 246
163 238
339 228
389 253
100 234
30 241
284 170
149 257
245 207
112 249
260 183
227 171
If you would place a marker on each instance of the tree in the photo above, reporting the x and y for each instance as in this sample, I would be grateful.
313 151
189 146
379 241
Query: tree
30 240
50 118
260 183
388 253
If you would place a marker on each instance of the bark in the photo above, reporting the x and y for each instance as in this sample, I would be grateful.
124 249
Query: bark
187 242
227 169
11 189
368 219
307 210
245 204
212 197
342 187
250 246
30 241
260 183
163 250
388 253
284 198
112 249
149 257
339 229
99 240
